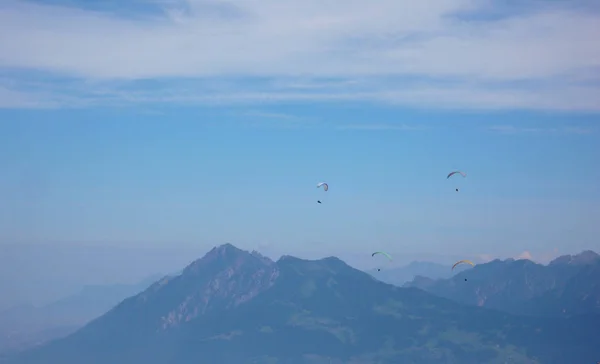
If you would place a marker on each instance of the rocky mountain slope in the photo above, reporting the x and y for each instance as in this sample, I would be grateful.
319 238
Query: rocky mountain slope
237 307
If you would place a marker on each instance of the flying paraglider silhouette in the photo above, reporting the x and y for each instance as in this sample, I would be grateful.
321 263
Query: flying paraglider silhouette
455 172
383 253
463 261
325 188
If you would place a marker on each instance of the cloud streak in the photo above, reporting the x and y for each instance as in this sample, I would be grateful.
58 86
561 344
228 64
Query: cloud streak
430 53
511 129
380 127
270 115
524 255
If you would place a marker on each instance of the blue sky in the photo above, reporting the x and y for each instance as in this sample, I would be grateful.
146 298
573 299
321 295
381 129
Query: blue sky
187 124
212 175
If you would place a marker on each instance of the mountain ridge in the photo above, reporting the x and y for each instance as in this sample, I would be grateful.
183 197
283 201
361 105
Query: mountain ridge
307 311
525 287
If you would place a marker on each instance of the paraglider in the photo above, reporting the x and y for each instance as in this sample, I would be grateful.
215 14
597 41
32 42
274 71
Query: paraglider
324 185
455 172
383 253
325 188
463 261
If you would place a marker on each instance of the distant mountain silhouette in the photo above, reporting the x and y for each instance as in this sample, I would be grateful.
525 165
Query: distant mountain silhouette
235 307
584 258
401 275
26 325
567 286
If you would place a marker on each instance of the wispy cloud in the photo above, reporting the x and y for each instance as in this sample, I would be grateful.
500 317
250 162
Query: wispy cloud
261 118
525 255
511 129
270 115
542 257
432 53
258 118
375 127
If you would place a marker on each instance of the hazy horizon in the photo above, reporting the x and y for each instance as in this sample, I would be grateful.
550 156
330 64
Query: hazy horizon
44 275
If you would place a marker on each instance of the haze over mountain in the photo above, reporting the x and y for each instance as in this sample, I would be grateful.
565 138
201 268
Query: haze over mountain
23 326
232 306
401 275
26 325
568 285
41 274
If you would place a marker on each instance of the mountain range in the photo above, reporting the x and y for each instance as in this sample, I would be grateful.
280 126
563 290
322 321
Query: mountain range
232 306
24 326
569 285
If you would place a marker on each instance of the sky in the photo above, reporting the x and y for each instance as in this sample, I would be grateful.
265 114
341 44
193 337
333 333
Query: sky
136 135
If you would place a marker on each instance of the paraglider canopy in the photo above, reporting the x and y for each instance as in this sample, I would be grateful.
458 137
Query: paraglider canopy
384 253
455 172
463 261
324 185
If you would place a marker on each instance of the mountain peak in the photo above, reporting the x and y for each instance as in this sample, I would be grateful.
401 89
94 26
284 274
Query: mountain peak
583 258
224 255
225 249
332 260
223 279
